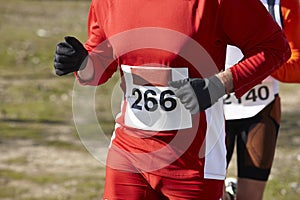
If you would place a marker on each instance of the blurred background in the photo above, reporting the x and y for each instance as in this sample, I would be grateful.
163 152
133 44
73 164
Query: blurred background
41 155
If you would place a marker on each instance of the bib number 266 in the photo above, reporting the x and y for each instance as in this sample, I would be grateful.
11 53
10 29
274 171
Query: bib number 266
152 100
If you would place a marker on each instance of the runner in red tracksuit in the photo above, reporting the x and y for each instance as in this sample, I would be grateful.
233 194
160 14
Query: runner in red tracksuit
158 149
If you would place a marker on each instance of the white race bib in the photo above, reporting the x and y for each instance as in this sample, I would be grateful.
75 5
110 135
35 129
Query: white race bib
150 103
252 102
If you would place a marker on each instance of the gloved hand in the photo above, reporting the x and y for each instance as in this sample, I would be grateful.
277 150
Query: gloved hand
70 56
198 94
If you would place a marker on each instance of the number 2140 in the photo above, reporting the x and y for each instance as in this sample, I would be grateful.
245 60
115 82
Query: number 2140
261 93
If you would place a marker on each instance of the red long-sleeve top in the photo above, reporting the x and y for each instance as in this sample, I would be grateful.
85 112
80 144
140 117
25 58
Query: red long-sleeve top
190 34
211 23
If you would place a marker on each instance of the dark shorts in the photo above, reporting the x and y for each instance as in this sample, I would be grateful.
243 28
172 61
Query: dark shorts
255 139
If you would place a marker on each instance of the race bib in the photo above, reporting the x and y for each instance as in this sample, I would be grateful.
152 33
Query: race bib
252 102
150 103
262 94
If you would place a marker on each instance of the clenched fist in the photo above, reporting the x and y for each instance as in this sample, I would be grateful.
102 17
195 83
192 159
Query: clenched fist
70 56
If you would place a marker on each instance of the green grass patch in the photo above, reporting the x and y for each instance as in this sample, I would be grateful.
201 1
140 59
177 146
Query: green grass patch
289 133
75 187
21 160
63 145
279 189
7 192
10 174
12 130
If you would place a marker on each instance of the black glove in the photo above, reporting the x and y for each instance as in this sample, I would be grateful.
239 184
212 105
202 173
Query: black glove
198 94
70 56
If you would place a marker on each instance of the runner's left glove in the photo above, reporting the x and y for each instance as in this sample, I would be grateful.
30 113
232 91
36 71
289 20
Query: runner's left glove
70 56
198 94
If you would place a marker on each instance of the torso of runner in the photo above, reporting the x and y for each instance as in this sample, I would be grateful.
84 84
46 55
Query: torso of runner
152 42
